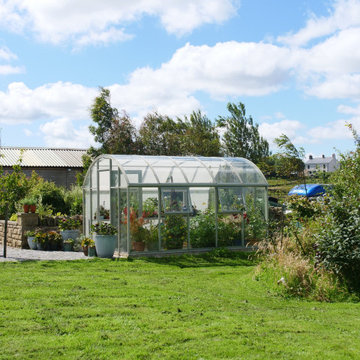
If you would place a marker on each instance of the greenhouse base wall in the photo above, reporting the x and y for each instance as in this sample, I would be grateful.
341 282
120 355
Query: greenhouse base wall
165 253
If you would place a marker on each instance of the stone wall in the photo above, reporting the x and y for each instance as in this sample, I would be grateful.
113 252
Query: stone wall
17 229
14 234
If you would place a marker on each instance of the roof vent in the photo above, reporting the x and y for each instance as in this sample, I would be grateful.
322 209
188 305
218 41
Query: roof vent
310 157
323 156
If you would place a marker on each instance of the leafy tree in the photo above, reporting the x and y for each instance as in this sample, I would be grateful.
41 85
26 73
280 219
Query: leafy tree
201 137
13 187
241 137
161 135
114 132
290 161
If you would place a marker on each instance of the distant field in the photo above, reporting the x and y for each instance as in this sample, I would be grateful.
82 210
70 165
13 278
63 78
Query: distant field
204 307
279 188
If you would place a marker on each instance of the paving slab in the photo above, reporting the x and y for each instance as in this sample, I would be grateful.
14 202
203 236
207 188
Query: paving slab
15 254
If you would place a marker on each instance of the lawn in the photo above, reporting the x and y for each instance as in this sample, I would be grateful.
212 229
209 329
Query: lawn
182 308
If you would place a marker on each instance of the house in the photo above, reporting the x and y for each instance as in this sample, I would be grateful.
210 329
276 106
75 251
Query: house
321 164
57 165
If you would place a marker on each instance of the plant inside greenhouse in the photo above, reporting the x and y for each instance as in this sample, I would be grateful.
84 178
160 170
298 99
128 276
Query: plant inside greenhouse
163 204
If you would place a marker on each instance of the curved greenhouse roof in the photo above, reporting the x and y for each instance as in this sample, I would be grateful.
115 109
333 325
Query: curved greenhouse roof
189 170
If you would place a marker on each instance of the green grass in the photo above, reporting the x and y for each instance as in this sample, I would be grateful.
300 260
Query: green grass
190 307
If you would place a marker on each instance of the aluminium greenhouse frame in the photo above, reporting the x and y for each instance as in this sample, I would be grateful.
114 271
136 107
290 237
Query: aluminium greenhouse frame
117 187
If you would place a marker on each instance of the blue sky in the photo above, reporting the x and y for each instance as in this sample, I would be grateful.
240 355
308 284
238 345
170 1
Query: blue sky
294 64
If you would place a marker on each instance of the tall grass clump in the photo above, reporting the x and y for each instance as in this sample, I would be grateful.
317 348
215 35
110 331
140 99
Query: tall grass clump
315 251
288 272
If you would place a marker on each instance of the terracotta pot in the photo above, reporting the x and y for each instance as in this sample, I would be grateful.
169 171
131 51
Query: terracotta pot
138 245
26 208
32 208
85 250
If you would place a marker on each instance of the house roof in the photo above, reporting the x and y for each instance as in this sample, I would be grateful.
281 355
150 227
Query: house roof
319 160
41 157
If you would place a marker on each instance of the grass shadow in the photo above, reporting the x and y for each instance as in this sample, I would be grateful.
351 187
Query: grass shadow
217 257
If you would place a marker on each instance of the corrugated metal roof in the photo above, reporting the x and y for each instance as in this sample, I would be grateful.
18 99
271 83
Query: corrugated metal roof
41 157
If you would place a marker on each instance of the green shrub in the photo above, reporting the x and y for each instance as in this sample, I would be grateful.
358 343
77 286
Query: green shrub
49 195
74 200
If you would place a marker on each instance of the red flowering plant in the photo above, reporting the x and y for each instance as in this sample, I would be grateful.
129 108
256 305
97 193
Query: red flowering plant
137 230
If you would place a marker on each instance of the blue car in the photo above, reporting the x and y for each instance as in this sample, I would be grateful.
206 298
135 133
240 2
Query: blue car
308 190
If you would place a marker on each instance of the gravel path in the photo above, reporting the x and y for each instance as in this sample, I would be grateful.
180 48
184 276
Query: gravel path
14 254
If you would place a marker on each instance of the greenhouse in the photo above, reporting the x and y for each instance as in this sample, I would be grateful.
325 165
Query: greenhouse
166 204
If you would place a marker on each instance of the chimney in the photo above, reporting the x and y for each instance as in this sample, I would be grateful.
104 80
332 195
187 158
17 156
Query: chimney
323 156
333 155
310 157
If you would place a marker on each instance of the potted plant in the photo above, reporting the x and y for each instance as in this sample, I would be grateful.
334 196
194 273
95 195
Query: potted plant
105 239
31 239
29 204
69 228
68 244
138 232
85 243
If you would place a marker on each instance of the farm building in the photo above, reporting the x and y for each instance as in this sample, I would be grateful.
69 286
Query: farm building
57 165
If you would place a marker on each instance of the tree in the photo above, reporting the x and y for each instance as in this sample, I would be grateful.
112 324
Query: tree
201 137
13 187
115 133
241 137
290 161
161 135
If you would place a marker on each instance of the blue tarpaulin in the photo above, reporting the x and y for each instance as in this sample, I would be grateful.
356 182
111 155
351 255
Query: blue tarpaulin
308 190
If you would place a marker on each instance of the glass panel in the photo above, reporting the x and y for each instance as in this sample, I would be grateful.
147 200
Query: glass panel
114 203
194 170
249 172
230 230
123 221
115 176
104 208
93 174
94 206
231 199
87 211
254 216
174 233
104 180
104 164
175 200
202 220
144 219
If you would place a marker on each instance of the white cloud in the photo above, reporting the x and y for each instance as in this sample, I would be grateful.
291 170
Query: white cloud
343 15
333 130
6 54
62 133
22 104
9 69
75 20
270 131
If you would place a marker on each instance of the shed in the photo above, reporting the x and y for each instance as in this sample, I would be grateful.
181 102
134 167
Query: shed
52 164
165 204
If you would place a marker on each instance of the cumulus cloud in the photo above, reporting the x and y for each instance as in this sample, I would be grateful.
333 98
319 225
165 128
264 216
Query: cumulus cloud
62 133
343 14
270 131
7 56
79 20
21 104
